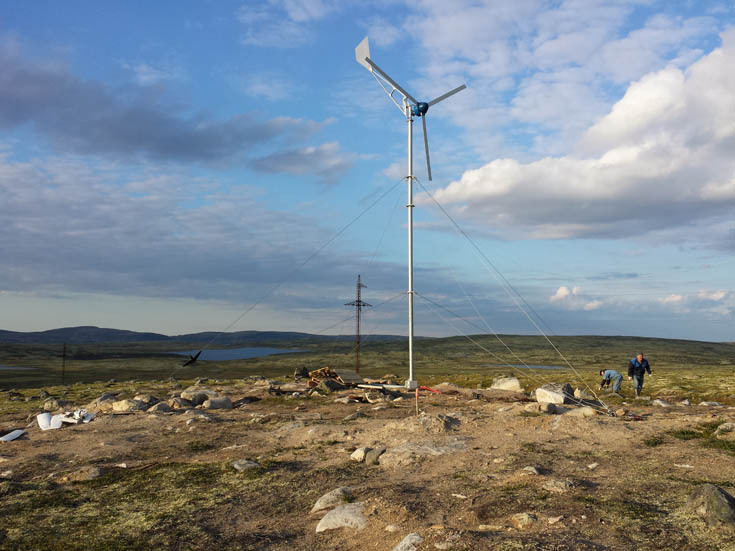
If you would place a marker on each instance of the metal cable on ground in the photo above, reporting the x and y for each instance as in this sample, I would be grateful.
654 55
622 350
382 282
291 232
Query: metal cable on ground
577 401
505 288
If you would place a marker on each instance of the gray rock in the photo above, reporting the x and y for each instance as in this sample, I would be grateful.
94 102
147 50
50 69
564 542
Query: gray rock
128 405
713 504
55 404
353 416
197 395
221 402
372 456
530 470
661 403
555 393
409 543
585 411
437 423
180 403
332 499
685 402
522 520
540 407
359 454
710 404
558 486
147 399
507 383
160 407
409 453
725 427
243 465
348 515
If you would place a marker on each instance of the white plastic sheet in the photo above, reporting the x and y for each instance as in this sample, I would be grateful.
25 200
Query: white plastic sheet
12 435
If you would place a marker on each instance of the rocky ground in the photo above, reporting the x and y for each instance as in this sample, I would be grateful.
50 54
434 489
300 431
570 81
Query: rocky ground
464 469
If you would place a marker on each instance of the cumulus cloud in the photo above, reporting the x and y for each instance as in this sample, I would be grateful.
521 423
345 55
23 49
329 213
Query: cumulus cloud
87 117
661 158
574 299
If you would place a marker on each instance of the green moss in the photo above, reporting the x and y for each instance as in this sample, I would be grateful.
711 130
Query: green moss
654 441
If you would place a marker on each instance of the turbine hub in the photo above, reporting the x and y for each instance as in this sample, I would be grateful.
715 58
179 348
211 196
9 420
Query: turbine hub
420 109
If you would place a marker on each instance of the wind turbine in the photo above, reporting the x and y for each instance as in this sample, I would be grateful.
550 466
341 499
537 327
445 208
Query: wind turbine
410 107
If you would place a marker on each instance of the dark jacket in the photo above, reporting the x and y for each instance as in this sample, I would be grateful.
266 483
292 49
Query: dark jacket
638 368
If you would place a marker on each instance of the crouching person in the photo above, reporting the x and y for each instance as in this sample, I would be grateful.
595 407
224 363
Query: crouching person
610 376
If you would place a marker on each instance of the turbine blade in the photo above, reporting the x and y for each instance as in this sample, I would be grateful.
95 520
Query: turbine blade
393 82
426 147
445 96
363 51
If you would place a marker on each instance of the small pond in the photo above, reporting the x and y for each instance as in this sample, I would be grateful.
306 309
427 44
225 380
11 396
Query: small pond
236 353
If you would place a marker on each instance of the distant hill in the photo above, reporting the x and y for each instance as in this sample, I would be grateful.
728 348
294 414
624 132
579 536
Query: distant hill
88 334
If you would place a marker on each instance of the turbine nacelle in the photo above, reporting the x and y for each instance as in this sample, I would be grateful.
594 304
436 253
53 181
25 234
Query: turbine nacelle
420 109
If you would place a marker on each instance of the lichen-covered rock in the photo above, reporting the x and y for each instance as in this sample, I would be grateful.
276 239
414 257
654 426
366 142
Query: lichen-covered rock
348 515
221 402
713 504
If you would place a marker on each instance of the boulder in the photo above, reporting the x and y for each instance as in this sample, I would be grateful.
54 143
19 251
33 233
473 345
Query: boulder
685 402
221 402
555 393
128 405
713 504
507 383
160 407
710 404
437 423
558 485
148 399
348 515
180 403
332 499
197 395
359 454
103 403
661 403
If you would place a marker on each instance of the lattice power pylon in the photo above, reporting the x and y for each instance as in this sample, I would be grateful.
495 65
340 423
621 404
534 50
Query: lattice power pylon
359 305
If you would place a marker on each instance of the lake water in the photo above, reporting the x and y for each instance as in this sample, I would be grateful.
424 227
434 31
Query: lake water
13 368
236 353
519 366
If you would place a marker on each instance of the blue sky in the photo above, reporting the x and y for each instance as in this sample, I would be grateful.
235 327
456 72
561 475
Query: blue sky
163 166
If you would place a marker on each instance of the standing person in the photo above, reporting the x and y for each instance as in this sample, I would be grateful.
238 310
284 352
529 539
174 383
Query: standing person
636 370
611 376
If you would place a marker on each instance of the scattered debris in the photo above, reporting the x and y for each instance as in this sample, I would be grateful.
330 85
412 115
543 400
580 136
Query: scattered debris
9 437
48 422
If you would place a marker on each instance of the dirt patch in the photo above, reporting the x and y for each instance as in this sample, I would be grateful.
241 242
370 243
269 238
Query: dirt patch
468 465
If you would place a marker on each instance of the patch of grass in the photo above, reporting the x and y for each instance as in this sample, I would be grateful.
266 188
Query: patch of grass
725 445
686 434
199 446
530 414
653 441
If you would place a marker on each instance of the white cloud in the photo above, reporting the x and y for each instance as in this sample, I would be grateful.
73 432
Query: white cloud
712 295
672 299
574 299
661 158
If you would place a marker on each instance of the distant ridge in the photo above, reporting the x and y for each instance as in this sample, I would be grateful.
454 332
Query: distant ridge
87 334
